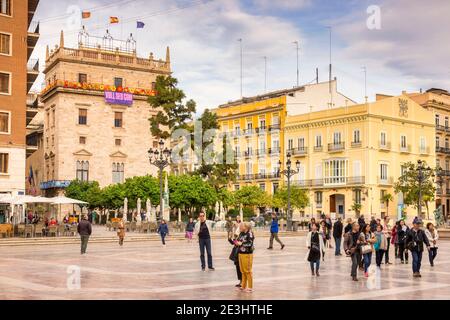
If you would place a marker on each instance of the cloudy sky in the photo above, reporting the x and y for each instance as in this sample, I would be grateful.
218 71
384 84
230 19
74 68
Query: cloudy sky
407 46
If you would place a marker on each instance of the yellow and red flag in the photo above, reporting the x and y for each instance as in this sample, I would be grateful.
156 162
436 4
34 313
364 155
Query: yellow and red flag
85 15
113 20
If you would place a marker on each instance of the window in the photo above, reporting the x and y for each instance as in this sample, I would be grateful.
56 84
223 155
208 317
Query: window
446 143
357 196
318 198
356 136
82 78
262 186
301 143
153 85
447 165
5 7
403 142
318 141
53 118
237 128
118 142
383 138
384 172
4 122
248 168
422 144
4 157
53 140
249 125
82 140
290 144
438 142
82 116
118 82
275 188
446 123
337 138
436 119
83 170
335 171
5 44
5 83
118 172
118 119
262 122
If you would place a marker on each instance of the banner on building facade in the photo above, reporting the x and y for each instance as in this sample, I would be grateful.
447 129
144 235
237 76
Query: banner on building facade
122 98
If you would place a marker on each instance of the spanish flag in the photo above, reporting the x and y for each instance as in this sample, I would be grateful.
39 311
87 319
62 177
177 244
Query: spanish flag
113 20
85 15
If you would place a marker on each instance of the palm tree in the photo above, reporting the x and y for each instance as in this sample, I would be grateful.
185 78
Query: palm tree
386 198
357 208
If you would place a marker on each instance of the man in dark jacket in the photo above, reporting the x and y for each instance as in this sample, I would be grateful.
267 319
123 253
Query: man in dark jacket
373 224
85 230
337 235
274 232
415 240
352 247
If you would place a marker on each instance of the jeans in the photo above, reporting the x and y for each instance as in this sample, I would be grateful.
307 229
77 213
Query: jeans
379 257
317 263
238 269
84 243
432 255
356 257
274 235
205 244
337 240
367 261
417 260
402 252
386 260
163 238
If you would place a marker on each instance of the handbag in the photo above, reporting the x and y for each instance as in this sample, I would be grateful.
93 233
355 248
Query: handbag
367 248
234 254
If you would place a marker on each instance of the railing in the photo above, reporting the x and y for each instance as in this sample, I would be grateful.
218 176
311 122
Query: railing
385 145
335 147
425 150
261 152
447 191
318 148
445 173
248 132
300 151
443 150
275 127
33 27
386 181
329 182
248 153
258 176
261 130
356 144
274 150
441 127
405 149
33 65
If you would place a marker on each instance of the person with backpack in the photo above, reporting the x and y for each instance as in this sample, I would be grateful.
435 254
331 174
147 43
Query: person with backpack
315 245
402 231
380 245
415 241
432 235
352 247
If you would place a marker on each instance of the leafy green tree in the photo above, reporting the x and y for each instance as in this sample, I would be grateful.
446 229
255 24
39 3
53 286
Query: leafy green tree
144 187
299 198
89 192
173 112
252 196
386 199
114 196
357 208
408 185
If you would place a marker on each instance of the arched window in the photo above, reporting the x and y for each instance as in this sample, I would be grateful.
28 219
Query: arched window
118 172
83 170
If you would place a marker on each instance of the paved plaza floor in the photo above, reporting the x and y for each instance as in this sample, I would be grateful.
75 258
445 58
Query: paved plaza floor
149 271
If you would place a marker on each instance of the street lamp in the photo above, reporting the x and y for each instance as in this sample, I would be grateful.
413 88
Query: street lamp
160 158
289 173
422 175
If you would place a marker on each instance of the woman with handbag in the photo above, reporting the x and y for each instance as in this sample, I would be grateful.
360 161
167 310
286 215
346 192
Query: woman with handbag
234 256
315 245
367 240
245 243
432 235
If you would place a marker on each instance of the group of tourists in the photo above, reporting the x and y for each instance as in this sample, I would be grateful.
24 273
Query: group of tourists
363 240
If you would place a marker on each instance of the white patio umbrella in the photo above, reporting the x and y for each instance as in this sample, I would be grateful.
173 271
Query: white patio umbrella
20 200
65 200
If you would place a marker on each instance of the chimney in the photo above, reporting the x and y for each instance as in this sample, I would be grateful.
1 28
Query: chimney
168 55
61 40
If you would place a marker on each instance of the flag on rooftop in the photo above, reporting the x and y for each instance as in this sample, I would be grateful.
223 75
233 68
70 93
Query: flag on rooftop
113 20
85 15
140 25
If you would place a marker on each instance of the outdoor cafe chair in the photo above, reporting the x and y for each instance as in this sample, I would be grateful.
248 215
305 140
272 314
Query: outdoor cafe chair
38 230
53 230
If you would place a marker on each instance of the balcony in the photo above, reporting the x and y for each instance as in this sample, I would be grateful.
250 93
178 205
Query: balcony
443 150
248 132
275 127
441 128
336 147
318 148
356 144
299 152
274 151
261 152
424 151
319 205
32 37
388 181
444 173
246 177
248 154
384 146
405 149
32 72
261 130
32 6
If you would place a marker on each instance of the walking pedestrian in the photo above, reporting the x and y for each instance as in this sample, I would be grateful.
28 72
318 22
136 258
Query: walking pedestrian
337 235
387 229
229 227
380 245
324 231
373 224
190 229
329 224
415 240
394 239
245 242
432 235
361 222
202 230
121 232
84 230
274 232
234 256
348 227
311 222
315 245
163 231
352 247
367 239
402 232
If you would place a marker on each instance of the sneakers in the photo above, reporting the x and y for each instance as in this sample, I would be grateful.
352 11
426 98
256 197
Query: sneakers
366 274
417 275
269 248
282 246
203 269
211 269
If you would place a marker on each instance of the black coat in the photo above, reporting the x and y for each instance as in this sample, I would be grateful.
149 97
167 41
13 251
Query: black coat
84 228
415 240
337 229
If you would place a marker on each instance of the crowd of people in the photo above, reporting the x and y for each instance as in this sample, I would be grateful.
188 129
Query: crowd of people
361 242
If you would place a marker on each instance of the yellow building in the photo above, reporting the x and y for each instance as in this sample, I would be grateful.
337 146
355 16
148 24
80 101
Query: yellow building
355 154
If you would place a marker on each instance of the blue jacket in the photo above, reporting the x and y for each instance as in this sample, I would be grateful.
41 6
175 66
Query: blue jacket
163 229
274 226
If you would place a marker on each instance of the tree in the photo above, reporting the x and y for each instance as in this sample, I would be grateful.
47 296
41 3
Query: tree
408 185
357 208
114 195
251 196
299 198
220 173
145 187
386 198
173 113
89 192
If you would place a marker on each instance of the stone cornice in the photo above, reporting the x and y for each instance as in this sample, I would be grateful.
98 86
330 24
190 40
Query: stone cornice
251 113
326 123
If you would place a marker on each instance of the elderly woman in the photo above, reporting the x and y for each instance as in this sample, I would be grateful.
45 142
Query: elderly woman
245 243
121 232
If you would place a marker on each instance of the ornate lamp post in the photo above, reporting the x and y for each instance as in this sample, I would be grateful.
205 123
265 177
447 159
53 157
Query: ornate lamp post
289 173
160 158
422 175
